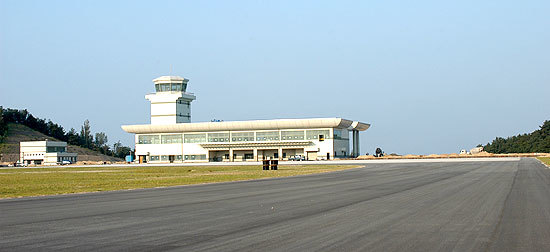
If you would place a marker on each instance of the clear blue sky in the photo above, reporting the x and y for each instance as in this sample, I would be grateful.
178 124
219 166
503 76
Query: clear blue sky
430 76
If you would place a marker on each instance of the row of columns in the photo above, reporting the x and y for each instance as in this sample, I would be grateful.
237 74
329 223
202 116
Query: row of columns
355 143
255 153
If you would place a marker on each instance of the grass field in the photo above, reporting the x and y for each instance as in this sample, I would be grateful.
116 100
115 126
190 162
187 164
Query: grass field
545 160
21 182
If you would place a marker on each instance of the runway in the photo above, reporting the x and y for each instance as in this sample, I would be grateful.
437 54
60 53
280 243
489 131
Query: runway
420 206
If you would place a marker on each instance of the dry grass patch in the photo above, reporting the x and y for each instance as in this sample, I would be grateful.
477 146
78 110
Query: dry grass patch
21 182
545 160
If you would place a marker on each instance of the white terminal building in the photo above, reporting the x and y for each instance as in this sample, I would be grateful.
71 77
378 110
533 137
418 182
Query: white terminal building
172 138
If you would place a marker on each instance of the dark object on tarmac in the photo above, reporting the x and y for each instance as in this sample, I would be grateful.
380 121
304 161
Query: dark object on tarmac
379 153
266 165
274 164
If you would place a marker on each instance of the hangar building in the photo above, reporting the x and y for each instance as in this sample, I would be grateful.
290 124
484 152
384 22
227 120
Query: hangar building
172 138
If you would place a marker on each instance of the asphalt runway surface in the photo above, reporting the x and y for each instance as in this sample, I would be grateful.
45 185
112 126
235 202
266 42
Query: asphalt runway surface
435 206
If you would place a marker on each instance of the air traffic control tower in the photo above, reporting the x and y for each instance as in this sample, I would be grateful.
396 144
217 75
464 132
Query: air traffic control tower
170 103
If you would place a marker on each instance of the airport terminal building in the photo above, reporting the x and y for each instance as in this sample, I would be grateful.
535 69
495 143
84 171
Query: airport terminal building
172 138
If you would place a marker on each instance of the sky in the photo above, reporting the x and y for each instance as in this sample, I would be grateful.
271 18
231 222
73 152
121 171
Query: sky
429 76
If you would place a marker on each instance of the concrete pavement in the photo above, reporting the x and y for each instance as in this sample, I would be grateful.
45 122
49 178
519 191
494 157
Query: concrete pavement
418 206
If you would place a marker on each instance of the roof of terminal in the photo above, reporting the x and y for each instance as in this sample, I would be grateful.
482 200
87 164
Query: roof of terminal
247 125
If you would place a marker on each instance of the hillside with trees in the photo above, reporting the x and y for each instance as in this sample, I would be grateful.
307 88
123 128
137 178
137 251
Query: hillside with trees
536 141
11 121
9 149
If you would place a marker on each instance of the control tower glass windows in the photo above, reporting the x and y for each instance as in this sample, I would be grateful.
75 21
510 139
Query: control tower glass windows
170 87
176 87
164 87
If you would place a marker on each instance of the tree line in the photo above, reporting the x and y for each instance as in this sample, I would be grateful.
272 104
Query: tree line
536 141
85 138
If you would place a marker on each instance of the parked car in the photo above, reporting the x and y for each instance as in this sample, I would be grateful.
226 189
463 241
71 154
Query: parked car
66 162
20 164
297 158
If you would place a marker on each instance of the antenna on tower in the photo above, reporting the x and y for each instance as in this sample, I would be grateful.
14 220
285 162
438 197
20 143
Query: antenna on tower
170 70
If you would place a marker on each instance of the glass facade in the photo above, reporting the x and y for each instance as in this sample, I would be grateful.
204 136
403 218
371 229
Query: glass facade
195 157
228 137
166 158
167 87
292 135
176 87
267 136
162 87
148 139
218 137
195 138
242 137
55 149
341 134
171 139
235 137
316 134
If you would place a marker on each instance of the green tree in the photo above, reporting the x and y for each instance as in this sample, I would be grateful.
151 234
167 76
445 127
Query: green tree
86 138
101 139
56 131
536 141
116 145
101 143
73 137
3 125
122 151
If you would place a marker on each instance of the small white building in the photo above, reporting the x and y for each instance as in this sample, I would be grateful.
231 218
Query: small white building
45 153
171 137
476 150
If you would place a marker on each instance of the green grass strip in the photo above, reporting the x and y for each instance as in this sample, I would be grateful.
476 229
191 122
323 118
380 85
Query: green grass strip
23 182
